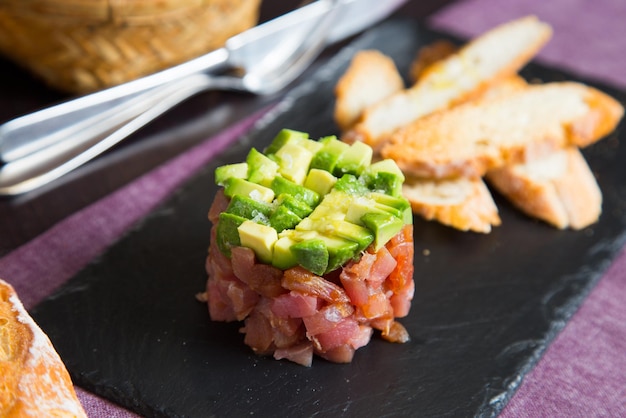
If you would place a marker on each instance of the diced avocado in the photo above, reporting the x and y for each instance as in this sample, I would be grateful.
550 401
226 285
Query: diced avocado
384 176
384 226
320 181
283 218
260 238
294 161
350 185
360 206
354 160
255 210
340 250
339 228
326 158
235 186
261 169
284 258
399 203
312 255
227 234
283 137
224 172
281 185
296 206
312 145
384 182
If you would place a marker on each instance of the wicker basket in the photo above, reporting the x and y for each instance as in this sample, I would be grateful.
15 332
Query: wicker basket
80 46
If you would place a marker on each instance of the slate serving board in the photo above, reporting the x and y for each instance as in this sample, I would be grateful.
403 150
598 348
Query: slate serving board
485 307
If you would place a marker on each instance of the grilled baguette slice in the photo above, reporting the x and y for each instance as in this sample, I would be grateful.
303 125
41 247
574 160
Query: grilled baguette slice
370 78
464 204
559 189
497 54
473 138
33 379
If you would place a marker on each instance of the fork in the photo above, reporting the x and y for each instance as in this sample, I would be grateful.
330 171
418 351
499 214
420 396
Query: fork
84 140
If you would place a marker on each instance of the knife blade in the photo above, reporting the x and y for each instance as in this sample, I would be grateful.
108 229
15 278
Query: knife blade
33 132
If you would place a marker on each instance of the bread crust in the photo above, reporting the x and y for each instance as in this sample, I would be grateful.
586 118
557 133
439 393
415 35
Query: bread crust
559 189
460 203
33 380
473 138
370 78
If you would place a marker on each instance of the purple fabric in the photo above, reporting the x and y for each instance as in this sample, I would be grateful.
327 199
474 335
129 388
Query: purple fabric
583 372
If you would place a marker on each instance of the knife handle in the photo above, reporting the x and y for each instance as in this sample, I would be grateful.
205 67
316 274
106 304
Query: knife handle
36 131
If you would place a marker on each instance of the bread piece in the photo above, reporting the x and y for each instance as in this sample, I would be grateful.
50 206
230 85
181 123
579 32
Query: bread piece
370 78
33 380
460 203
473 138
429 55
559 189
497 54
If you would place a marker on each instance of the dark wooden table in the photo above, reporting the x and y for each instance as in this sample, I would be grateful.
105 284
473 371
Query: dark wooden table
25 216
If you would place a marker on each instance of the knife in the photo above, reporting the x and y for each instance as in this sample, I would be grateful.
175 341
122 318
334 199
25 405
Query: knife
36 131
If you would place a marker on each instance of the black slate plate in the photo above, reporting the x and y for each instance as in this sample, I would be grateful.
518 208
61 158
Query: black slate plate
485 309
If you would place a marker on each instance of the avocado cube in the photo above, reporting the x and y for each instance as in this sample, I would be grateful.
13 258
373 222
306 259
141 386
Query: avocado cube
283 218
359 206
224 172
281 185
293 204
384 182
362 236
294 161
236 186
339 251
354 160
350 185
312 255
227 234
326 158
312 145
260 238
261 169
384 226
255 210
285 136
320 181
399 203
386 166
284 258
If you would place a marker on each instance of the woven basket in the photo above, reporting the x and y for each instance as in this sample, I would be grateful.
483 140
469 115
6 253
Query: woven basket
80 46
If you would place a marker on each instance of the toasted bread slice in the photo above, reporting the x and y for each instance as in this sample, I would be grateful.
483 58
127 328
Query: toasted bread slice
460 203
370 78
559 189
429 55
33 380
473 138
497 54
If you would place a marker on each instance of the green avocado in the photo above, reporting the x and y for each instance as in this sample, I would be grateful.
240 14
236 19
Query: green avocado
224 172
236 186
227 234
281 185
326 158
384 225
317 204
285 136
312 255
261 169
247 208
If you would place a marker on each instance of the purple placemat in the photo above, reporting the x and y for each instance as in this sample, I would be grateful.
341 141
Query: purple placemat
583 372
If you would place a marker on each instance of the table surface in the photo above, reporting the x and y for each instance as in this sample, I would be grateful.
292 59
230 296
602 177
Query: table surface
28 218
